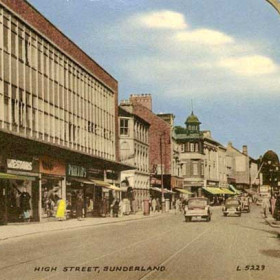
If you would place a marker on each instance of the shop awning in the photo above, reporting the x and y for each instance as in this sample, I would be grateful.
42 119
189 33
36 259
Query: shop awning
227 191
159 190
100 183
232 188
105 185
213 190
8 176
183 191
113 187
83 181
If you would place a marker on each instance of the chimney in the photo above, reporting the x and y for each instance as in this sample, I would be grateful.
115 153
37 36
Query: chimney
144 99
245 150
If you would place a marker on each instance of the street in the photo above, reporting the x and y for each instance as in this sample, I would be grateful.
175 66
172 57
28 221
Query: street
162 247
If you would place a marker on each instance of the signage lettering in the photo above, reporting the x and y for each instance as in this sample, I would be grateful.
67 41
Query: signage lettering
76 171
19 164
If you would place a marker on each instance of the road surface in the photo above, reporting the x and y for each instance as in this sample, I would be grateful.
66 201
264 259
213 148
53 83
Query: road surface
164 247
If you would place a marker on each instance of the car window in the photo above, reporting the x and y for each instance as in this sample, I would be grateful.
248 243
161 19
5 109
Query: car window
232 203
197 203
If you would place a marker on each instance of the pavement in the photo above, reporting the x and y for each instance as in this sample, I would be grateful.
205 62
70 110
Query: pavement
16 230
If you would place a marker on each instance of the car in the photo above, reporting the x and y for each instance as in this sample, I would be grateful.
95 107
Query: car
232 207
197 207
245 204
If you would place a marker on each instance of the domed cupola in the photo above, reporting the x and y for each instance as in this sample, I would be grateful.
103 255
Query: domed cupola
192 124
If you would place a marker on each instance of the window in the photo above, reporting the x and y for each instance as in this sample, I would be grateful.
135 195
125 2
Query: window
182 147
192 147
124 126
202 169
195 169
196 147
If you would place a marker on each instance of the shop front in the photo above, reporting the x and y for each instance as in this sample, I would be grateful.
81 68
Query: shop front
19 189
53 185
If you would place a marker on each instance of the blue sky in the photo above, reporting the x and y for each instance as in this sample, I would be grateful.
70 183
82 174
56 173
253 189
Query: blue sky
224 55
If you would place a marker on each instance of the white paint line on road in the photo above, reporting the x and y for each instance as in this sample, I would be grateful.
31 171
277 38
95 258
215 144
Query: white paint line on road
145 276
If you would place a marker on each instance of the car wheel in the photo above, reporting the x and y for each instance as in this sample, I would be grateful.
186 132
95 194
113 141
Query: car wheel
188 219
239 215
225 214
208 219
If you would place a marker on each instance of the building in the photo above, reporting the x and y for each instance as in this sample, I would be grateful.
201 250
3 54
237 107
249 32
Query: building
202 157
238 167
164 165
58 117
134 150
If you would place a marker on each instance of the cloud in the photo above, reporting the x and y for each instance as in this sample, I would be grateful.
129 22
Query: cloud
159 51
204 36
253 65
162 20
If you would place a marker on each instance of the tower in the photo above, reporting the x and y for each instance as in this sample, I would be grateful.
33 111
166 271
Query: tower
192 124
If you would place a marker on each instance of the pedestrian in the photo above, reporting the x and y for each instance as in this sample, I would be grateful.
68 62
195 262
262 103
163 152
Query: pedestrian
273 202
79 206
157 205
265 206
177 206
276 214
61 209
25 205
154 204
115 207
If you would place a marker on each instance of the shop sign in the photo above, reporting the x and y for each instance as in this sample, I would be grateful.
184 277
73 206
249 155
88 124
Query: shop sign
76 171
52 166
19 164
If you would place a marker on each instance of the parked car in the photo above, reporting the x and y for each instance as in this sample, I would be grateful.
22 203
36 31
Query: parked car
245 204
197 207
232 207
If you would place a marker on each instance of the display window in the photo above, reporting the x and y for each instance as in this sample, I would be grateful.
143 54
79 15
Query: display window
51 193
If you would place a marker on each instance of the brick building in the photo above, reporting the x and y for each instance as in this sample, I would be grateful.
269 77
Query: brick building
163 158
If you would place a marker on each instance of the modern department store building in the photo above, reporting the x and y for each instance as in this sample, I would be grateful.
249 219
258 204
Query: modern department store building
58 118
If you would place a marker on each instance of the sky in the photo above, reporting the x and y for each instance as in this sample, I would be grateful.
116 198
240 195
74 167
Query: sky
222 55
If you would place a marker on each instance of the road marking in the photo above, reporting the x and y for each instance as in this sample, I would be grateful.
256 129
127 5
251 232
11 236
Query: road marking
145 276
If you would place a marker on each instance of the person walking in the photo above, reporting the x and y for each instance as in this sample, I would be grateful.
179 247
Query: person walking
115 206
154 204
177 206
79 206
25 205
61 209
265 206
273 202
276 214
